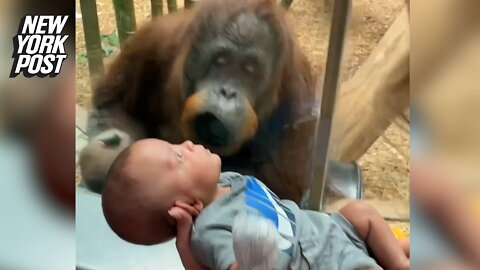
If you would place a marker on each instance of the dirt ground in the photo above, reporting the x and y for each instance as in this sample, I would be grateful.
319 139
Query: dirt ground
385 166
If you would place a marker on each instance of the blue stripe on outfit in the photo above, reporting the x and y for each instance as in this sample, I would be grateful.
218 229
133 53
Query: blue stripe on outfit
257 199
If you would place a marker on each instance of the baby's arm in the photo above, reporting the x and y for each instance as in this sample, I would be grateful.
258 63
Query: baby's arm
255 242
213 246
234 266
183 217
184 230
219 248
373 229
183 214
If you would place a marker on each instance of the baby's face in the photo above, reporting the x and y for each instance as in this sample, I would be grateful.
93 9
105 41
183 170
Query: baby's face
196 167
187 170
151 177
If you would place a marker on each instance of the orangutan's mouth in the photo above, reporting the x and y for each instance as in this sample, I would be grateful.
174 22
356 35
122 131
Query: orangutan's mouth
211 131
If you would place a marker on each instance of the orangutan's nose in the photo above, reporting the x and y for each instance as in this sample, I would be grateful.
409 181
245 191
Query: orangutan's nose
228 92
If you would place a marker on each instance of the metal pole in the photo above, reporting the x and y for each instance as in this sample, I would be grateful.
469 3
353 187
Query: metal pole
157 8
91 30
172 6
286 3
341 12
189 3
125 16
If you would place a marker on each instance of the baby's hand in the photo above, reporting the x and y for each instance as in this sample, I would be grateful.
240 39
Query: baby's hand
183 215
254 242
194 209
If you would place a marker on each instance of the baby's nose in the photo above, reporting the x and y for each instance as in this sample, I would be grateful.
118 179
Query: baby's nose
189 145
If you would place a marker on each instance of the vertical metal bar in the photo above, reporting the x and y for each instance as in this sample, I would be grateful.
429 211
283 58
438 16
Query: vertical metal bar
172 6
286 3
157 8
189 3
125 16
93 44
341 12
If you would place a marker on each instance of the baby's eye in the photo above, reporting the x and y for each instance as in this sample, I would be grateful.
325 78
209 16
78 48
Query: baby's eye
179 156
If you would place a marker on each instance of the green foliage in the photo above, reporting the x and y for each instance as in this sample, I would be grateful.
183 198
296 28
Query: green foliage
110 43
112 39
82 58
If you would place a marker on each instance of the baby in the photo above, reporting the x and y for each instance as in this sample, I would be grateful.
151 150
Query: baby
152 176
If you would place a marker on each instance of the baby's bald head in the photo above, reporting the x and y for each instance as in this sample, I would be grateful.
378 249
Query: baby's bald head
135 198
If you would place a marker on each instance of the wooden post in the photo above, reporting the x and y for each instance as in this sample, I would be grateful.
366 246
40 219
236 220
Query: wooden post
157 8
92 40
379 92
189 3
125 16
286 3
172 6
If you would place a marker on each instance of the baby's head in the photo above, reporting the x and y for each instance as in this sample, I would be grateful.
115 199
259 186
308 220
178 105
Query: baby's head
145 181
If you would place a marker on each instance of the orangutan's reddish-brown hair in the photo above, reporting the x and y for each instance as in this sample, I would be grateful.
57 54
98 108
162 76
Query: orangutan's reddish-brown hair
146 81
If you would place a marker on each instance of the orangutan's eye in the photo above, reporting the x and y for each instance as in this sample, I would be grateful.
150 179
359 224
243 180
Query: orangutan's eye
221 60
251 65
250 68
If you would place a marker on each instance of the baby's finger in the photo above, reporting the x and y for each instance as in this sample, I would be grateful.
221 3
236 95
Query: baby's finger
178 213
190 209
198 205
